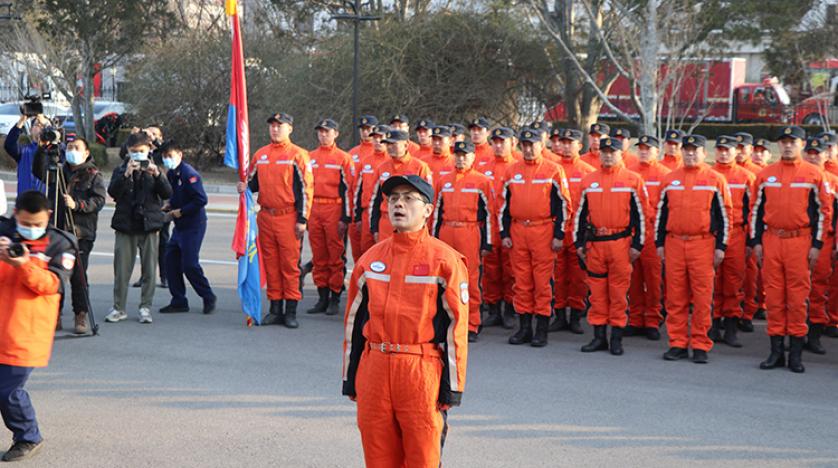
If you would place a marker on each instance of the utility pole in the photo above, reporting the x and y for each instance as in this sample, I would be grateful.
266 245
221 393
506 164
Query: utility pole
356 17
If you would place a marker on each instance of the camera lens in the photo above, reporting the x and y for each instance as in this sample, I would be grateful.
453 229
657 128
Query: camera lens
15 250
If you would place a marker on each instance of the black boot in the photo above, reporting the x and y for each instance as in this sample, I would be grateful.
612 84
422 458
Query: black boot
334 303
542 323
493 317
652 333
813 339
715 332
745 325
560 322
777 358
831 332
524 333
291 314
275 315
616 341
760 314
322 303
508 316
574 326
796 354
600 341
730 338
631 330
675 353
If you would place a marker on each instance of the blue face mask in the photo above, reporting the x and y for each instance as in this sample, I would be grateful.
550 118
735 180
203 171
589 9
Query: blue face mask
75 157
170 163
31 233
140 156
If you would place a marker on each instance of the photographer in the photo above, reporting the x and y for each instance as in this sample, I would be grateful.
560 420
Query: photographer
24 155
34 262
139 188
81 199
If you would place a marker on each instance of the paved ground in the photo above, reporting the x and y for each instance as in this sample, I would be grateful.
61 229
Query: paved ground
193 390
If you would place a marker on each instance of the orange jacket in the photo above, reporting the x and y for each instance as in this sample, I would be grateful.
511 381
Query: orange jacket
592 158
424 153
30 295
652 173
672 161
333 172
694 201
740 181
483 153
440 164
494 170
629 158
612 205
365 182
364 150
465 197
409 290
575 169
282 176
550 156
831 167
791 195
832 180
751 166
408 165
534 192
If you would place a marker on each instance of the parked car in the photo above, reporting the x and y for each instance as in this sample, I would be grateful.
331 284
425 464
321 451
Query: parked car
107 118
10 113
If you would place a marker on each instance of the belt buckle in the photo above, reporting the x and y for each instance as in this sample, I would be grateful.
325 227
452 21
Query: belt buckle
384 348
526 222
781 232
601 231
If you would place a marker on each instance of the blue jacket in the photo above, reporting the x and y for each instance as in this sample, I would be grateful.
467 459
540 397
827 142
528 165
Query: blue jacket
188 196
24 156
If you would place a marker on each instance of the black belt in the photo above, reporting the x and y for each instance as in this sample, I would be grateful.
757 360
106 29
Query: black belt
592 237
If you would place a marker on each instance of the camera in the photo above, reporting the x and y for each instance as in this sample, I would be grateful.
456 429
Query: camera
51 136
144 164
33 106
15 250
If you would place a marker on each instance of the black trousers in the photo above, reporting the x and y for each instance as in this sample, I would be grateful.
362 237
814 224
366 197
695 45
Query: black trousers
78 280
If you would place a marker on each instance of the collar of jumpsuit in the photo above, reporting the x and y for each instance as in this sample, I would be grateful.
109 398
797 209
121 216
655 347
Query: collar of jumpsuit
464 172
612 169
792 162
281 144
536 160
406 241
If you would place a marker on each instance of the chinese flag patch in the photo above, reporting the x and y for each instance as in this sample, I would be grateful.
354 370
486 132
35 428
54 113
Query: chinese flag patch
421 270
193 179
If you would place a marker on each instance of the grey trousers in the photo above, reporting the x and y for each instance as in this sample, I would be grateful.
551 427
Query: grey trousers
125 252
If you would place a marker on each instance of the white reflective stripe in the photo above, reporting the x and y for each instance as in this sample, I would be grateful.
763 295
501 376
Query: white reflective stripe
819 233
41 256
350 325
333 166
367 171
470 190
515 181
593 190
505 195
304 197
565 202
377 276
622 189
411 279
488 226
286 162
675 187
738 186
442 173
347 209
583 199
541 181
447 190
755 210
725 219
453 380
262 161
772 184
642 215
705 188
652 183
575 179
315 166
805 185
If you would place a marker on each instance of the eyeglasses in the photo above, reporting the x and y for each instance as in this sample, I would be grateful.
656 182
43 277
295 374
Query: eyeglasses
407 197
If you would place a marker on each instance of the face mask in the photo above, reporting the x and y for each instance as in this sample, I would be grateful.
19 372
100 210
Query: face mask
170 163
138 156
75 157
31 233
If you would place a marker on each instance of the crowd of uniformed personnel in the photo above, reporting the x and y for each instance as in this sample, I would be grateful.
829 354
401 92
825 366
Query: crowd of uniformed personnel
629 235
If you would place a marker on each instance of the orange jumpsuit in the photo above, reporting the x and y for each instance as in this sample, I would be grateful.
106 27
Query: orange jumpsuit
408 165
405 347
535 209
425 153
728 294
569 286
365 182
671 161
629 158
285 185
441 164
333 171
791 206
359 153
591 158
463 220
832 305
483 153
822 274
610 219
646 283
413 147
551 156
498 278
693 220
754 292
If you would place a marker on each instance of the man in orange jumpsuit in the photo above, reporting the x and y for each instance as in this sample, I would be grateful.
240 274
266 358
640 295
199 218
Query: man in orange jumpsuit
405 344
597 131
536 208
401 162
645 290
281 174
365 183
788 223
441 161
364 150
458 133
608 232
498 278
401 122
424 131
672 149
816 153
728 294
831 166
569 280
330 215
754 291
463 220
691 233
479 130
622 134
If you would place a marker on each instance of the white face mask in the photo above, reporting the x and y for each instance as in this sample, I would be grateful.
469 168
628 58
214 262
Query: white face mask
74 157
31 233
139 156
171 163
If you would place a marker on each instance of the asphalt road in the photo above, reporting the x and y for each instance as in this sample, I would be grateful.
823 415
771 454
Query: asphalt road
205 391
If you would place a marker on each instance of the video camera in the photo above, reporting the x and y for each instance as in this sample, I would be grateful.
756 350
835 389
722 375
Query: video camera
15 250
32 104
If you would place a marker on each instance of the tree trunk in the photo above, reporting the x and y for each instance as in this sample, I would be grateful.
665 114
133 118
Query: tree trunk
87 106
648 70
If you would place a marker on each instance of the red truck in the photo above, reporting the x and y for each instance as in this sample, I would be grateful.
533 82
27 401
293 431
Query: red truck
707 90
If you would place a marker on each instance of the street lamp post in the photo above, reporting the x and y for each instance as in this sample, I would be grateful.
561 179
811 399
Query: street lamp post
356 18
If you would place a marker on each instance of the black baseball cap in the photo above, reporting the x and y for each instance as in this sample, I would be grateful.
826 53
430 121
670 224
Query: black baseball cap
328 124
367 121
396 135
457 129
418 183
614 144
696 141
382 130
815 144
425 123
792 132
599 129
760 143
726 141
541 125
530 135
829 138
463 147
570 134
399 118
281 117
621 133
674 136
502 133
648 140
481 122
441 131
744 138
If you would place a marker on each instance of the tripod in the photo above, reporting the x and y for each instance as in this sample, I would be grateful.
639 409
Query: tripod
55 173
